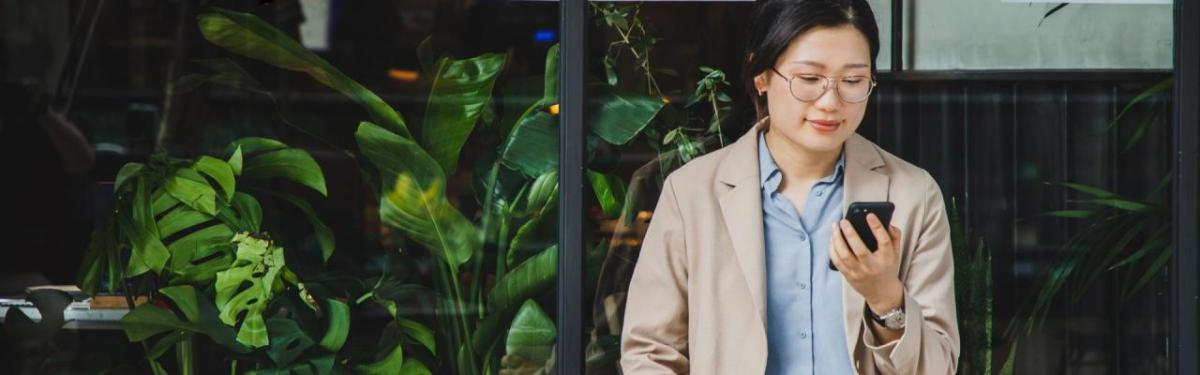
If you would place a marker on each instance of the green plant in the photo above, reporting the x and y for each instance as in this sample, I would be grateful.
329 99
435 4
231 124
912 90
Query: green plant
195 243
515 191
678 132
1122 237
973 297
671 133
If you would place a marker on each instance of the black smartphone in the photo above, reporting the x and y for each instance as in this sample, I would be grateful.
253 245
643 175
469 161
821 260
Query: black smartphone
857 215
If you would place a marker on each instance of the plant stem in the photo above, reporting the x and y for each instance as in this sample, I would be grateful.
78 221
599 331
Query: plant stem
461 315
502 249
712 98
186 355
233 367
448 280
488 217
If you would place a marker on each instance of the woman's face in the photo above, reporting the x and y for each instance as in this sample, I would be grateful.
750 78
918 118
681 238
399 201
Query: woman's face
824 124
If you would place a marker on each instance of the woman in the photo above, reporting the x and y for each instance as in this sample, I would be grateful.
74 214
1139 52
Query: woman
734 276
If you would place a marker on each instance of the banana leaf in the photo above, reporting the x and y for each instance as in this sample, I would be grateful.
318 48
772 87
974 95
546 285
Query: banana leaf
249 36
462 90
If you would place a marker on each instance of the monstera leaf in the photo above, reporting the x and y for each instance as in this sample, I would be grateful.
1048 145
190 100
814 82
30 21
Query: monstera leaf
257 264
149 253
414 200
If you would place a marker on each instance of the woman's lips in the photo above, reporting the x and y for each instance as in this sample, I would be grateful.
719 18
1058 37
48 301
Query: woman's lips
824 125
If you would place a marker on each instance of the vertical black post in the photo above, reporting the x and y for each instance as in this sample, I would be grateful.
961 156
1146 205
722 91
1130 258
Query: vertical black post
1185 282
897 35
572 65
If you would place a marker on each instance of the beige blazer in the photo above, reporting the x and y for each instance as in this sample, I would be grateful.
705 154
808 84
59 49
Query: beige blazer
696 302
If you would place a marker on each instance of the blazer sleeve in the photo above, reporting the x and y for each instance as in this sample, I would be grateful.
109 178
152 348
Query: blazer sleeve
654 338
930 342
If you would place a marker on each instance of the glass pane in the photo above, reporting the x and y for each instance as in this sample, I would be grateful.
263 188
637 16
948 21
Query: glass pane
1053 185
1020 34
645 120
305 185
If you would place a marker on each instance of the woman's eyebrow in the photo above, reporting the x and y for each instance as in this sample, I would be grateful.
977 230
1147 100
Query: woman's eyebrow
820 65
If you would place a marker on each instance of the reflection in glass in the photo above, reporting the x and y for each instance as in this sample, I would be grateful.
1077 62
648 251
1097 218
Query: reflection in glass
308 186
1057 187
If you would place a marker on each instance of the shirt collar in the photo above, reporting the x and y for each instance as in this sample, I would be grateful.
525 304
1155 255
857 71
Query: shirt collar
770 176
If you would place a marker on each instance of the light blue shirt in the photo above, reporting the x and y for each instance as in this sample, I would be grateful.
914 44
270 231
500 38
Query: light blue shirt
805 333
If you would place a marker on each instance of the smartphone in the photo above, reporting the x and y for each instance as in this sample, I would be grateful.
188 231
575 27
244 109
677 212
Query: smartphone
857 215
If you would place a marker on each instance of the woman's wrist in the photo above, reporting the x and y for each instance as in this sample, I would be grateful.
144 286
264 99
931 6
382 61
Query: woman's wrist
890 296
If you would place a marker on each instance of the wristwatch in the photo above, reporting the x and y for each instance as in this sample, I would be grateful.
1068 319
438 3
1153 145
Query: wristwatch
893 319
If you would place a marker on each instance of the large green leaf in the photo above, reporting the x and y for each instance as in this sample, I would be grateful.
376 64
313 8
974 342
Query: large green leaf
337 327
292 164
532 146
532 334
189 187
550 92
418 332
254 145
128 170
148 320
205 315
610 192
249 36
461 90
543 193
414 367
179 219
219 171
102 260
258 264
414 200
389 364
248 210
149 253
531 278
198 245
185 300
619 118
203 270
539 203
235 161
288 341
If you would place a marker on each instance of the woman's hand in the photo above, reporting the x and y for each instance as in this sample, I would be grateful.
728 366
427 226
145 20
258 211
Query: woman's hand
872 274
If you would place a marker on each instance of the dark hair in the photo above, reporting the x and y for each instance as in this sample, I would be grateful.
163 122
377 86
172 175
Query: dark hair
777 22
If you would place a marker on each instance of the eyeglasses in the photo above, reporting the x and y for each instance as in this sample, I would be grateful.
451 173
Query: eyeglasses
810 87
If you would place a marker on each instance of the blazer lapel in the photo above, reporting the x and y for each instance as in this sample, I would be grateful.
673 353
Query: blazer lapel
740 205
865 181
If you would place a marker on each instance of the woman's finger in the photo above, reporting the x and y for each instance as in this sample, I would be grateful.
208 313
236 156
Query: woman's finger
895 234
855 242
839 250
882 237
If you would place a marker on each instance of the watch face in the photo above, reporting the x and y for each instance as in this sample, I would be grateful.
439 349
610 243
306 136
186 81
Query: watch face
894 319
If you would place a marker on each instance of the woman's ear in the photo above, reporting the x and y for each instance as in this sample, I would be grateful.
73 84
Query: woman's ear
761 81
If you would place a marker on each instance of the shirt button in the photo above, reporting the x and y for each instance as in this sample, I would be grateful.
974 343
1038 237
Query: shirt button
803 286
803 335
803 238
819 193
